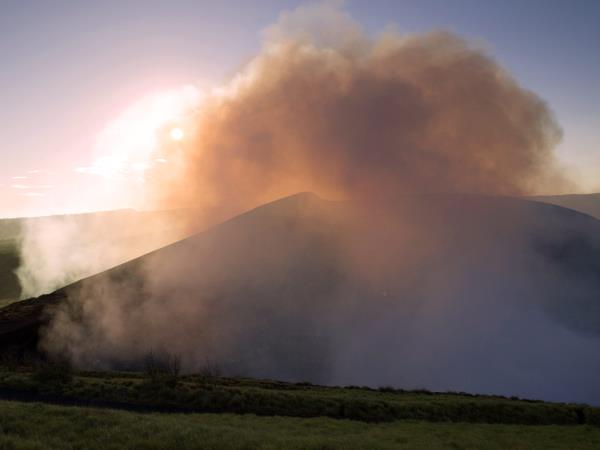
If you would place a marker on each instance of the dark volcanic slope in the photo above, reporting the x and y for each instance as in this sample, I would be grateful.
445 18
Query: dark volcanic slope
486 294
584 203
266 221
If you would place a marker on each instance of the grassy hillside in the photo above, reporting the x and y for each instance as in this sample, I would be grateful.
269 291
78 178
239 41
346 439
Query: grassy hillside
50 406
195 393
40 426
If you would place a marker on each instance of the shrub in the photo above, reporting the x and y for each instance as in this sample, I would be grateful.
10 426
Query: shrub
387 389
162 367
210 369
591 416
50 372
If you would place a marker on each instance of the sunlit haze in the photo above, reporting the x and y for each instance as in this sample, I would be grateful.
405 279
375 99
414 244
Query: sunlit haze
91 97
327 193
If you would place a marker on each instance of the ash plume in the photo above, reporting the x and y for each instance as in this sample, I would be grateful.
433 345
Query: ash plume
328 109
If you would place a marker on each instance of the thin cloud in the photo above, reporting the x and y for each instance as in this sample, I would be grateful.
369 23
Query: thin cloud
91 170
32 186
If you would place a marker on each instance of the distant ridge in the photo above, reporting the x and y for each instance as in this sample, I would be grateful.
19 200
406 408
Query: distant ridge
585 203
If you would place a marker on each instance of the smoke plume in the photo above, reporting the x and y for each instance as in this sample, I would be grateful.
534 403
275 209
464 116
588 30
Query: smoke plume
323 108
326 108
412 280
58 250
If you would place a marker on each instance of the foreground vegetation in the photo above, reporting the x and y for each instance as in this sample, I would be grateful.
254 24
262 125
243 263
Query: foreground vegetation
40 426
164 391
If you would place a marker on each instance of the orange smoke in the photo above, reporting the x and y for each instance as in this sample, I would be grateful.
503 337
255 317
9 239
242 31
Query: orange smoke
346 115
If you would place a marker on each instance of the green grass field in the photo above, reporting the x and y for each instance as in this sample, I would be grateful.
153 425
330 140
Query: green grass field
41 426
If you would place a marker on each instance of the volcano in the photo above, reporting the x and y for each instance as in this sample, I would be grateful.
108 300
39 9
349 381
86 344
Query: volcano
448 292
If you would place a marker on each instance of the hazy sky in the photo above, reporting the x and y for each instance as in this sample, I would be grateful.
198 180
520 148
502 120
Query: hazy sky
68 68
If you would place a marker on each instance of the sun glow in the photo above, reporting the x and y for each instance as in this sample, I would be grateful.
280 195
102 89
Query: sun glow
130 143
176 134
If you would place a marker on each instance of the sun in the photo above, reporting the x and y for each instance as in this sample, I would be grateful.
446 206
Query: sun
176 134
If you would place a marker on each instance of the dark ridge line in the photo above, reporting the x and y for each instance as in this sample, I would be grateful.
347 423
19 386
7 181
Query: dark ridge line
52 399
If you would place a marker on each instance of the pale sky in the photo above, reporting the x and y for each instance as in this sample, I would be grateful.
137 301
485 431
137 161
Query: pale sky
70 68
